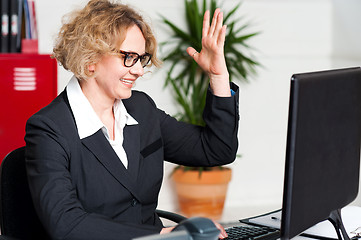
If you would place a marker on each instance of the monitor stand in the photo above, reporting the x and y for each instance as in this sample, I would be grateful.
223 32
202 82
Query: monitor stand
335 219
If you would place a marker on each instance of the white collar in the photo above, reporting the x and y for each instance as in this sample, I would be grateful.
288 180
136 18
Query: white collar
86 119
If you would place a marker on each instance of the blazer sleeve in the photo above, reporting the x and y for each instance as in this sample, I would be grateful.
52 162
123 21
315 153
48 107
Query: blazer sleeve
213 145
55 199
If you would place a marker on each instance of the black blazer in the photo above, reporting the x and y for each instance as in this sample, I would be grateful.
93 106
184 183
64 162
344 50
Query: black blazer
80 188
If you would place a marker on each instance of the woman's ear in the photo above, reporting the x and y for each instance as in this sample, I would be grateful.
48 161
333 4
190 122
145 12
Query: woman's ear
91 68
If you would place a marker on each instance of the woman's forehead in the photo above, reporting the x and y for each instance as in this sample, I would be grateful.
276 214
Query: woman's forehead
134 40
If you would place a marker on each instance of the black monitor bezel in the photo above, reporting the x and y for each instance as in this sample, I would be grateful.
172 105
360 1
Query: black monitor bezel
326 87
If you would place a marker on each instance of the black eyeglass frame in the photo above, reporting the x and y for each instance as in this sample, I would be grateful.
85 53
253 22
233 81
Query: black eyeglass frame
135 60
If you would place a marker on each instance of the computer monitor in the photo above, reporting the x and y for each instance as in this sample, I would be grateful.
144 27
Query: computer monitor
323 149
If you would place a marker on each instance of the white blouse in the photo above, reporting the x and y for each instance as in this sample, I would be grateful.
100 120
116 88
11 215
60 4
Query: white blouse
88 122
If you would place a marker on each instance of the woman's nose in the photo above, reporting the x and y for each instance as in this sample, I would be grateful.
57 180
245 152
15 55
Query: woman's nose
137 69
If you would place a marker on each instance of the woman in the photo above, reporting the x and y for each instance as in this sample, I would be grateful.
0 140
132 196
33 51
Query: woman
95 155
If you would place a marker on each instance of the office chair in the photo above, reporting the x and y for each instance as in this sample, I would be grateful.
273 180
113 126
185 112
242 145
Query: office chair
17 214
18 219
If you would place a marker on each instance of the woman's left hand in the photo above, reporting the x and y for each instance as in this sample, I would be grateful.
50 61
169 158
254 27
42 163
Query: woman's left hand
211 58
166 230
223 233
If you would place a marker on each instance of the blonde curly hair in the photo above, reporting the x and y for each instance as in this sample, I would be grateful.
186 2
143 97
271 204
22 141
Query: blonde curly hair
96 30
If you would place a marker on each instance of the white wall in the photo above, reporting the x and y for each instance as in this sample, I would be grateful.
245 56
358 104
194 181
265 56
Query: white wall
297 36
346 38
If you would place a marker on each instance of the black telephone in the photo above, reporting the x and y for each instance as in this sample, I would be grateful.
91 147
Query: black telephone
199 228
196 228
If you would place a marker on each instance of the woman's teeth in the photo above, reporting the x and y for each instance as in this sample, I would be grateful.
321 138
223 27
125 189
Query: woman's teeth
127 81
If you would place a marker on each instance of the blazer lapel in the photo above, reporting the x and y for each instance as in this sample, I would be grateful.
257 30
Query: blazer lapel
131 144
100 147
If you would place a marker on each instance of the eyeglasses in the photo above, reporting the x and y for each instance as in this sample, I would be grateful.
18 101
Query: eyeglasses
131 58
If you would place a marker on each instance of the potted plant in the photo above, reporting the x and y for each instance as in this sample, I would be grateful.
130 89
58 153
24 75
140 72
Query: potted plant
189 84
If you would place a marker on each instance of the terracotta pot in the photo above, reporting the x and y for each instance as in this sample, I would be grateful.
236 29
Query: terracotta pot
202 195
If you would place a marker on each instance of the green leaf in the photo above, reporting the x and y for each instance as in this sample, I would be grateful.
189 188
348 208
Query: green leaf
178 33
187 81
225 20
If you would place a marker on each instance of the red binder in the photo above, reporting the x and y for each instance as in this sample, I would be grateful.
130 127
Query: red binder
28 82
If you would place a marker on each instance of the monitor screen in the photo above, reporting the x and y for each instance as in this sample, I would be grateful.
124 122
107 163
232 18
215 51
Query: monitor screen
323 147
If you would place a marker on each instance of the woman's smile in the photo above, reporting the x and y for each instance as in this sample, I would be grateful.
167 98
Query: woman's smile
128 83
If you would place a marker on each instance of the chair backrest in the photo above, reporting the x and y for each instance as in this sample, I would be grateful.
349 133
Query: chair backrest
17 214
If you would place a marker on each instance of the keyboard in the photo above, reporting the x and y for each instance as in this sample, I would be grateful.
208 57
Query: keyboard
252 232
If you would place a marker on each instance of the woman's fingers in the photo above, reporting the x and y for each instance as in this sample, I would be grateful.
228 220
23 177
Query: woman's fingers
166 230
219 24
206 23
211 57
222 233
222 35
192 52
212 30
214 22
215 32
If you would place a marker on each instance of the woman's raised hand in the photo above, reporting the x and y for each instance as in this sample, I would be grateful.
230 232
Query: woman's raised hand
211 58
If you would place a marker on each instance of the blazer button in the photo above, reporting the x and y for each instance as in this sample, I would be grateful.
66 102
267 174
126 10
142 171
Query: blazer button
134 202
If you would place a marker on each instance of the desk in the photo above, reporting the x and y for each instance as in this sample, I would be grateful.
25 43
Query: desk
351 217
234 213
